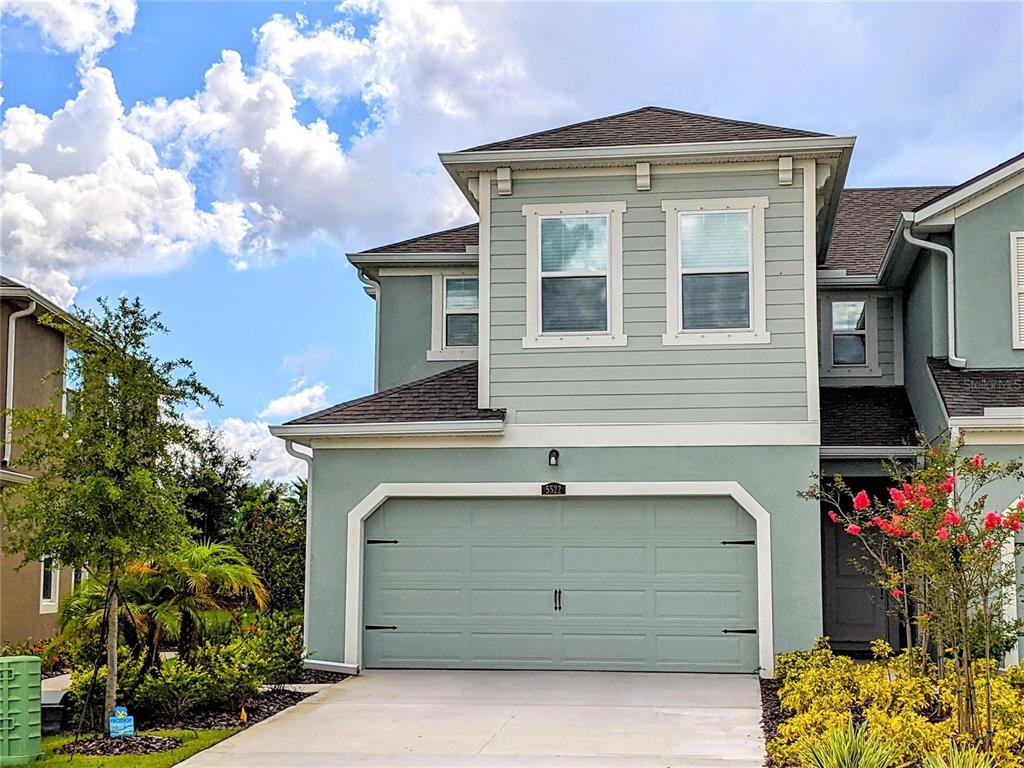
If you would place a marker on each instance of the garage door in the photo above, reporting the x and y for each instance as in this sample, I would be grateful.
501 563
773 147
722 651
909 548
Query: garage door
664 584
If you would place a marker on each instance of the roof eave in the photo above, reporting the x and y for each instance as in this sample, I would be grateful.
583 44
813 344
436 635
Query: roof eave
463 428
867 451
958 197
410 259
26 293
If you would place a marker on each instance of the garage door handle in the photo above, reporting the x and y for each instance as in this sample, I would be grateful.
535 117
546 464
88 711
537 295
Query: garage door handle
558 599
379 626
382 541
739 631
747 542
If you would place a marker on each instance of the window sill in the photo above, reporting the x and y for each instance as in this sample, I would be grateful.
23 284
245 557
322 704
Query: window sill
715 338
47 608
855 370
451 353
572 340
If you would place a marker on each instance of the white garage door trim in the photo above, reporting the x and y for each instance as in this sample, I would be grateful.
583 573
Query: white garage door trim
385 491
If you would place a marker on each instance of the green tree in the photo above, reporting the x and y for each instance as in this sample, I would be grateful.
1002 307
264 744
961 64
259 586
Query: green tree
214 479
106 493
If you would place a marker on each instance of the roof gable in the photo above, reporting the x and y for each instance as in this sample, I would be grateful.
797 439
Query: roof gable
972 189
647 125
454 240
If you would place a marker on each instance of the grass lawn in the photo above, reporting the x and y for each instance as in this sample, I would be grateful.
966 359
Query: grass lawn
192 742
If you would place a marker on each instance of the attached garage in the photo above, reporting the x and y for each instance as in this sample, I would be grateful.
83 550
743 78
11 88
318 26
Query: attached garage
596 582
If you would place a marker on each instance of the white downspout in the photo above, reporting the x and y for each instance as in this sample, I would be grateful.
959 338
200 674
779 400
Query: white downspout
956 362
9 395
372 288
308 459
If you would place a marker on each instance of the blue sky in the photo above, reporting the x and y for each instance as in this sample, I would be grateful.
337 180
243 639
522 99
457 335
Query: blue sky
219 158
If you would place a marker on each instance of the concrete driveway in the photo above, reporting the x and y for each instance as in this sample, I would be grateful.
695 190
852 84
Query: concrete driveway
437 718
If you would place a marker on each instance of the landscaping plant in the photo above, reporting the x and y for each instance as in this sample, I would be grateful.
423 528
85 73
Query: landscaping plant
849 747
959 758
944 555
105 494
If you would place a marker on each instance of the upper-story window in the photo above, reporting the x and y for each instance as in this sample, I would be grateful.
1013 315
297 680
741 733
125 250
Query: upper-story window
849 335
48 586
456 315
714 256
574 275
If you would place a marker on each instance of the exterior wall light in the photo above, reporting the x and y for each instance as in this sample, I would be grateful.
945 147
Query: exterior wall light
553 458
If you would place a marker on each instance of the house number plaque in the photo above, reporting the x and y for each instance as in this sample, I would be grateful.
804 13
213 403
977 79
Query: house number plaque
552 489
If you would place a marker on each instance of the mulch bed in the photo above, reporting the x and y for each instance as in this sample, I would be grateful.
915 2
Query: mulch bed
263 706
772 713
317 676
133 745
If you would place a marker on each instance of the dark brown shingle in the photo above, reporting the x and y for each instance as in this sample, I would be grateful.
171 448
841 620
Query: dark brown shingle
865 222
447 396
647 125
968 392
446 241
867 416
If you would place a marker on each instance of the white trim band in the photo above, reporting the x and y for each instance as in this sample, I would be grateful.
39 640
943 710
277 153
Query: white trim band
392 429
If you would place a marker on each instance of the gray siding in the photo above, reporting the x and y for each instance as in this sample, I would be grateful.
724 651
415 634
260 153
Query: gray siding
404 332
886 319
647 381
983 313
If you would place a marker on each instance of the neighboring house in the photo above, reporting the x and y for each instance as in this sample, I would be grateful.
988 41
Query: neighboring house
29 594
594 409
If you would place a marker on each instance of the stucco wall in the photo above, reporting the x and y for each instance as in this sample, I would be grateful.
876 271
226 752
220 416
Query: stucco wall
342 478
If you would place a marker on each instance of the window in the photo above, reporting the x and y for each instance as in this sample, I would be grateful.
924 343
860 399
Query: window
849 335
714 256
455 326
78 575
574 275
1017 288
49 586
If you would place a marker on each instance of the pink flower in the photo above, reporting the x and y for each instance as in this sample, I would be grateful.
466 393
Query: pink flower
861 501
942 533
833 516
992 520
897 593
948 484
961 539
853 530
920 490
908 490
951 518
916 536
896 495
1012 523
977 461
926 503
1020 504
989 543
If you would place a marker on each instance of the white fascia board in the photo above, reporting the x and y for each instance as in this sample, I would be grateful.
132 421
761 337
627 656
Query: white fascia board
43 303
867 451
808 145
846 281
961 196
331 666
392 429
9 476
997 423
406 259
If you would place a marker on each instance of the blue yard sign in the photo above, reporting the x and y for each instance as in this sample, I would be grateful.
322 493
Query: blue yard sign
121 724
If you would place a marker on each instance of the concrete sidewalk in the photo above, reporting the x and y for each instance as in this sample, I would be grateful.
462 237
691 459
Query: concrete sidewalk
475 718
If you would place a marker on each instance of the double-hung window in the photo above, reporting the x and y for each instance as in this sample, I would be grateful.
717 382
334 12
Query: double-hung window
49 585
574 275
456 316
849 335
715 269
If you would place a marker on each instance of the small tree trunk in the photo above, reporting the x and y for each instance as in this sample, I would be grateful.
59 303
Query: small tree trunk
110 698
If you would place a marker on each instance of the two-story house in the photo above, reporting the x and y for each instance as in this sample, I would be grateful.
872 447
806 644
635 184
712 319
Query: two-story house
30 593
595 407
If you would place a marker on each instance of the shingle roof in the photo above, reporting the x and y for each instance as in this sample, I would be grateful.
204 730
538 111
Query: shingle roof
446 241
447 396
868 416
865 222
6 282
958 187
647 125
969 391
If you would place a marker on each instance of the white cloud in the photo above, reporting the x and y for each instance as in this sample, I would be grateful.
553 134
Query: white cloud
303 363
272 462
85 27
80 193
304 400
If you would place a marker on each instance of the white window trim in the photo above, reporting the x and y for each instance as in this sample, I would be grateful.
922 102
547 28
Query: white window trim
871 368
757 333
614 336
49 606
1016 289
439 351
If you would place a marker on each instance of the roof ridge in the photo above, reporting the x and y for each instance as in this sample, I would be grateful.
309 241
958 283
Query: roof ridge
897 186
561 128
729 120
384 392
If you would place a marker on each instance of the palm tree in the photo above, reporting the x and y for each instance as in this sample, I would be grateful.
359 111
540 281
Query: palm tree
178 596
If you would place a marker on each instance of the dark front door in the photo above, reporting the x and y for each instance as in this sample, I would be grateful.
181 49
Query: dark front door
856 608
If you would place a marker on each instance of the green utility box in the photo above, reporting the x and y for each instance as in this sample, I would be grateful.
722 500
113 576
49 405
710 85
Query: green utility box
20 709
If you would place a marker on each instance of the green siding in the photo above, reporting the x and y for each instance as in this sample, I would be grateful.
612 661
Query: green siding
983 313
886 314
404 332
645 584
647 381
925 336
343 477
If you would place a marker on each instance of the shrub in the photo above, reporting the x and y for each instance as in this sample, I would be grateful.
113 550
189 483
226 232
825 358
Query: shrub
848 747
958 758
275 638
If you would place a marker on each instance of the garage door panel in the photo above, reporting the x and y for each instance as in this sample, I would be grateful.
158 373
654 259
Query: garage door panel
647 585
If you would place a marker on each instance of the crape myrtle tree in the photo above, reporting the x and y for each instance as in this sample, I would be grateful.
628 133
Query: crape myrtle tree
944 554
106 493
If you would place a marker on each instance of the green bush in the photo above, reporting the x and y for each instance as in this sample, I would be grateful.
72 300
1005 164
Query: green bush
959 758
849 747
54 655
276 639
